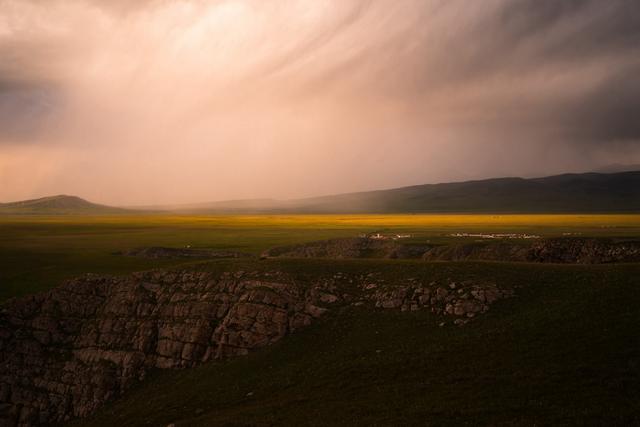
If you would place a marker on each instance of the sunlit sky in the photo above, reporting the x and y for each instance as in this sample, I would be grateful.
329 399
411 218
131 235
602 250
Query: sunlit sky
178 101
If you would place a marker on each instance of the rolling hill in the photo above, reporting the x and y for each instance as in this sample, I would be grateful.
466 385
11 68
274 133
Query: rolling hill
569 193
574 193
617 167
61 204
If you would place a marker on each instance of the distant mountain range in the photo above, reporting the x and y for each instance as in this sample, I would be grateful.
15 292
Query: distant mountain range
617 167
568 193
588 192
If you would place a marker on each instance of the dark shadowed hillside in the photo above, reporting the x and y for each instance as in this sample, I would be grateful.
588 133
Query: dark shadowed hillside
587 192
617 167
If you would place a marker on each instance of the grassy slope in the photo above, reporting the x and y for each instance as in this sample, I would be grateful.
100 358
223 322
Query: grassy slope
565 351
38 252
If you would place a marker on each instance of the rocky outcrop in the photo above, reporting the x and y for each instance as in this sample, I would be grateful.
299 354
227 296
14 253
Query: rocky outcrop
157 252
498 251
552 250
462 301
584 251
359 247
65 352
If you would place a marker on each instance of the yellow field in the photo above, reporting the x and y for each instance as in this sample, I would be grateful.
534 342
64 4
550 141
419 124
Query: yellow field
357 220
257 232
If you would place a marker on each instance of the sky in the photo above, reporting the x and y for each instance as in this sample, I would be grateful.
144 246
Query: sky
180 101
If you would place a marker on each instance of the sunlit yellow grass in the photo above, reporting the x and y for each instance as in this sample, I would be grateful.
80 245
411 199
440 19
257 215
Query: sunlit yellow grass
436 220
209 229
37 252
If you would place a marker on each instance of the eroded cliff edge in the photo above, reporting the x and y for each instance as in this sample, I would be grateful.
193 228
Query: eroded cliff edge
64 353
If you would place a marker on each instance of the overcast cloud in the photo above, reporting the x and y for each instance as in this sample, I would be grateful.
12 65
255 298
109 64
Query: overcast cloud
183 101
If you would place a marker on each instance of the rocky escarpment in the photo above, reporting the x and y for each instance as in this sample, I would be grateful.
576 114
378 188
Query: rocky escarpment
552 250
65 352
358 247
584 251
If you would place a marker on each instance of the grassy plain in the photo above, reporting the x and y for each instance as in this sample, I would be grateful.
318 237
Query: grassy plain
564 351
38 252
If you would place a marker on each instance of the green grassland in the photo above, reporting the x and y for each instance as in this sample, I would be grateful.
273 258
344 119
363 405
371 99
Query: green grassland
564 351
38 252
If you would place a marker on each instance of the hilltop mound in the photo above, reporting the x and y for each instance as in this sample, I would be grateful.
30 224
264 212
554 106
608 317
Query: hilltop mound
61 204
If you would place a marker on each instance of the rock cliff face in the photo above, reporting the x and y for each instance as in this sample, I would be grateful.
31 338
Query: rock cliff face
65 352
553 250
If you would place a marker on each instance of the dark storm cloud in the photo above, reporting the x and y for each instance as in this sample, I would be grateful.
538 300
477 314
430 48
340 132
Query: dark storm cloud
23 109
524 41
514 38
578 34
609 112
28 93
